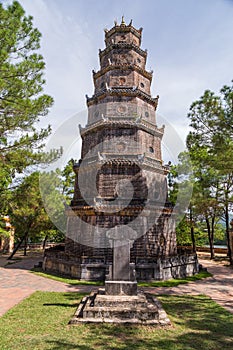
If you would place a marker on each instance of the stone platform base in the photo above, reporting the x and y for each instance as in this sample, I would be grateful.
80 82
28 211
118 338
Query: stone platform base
138 309
95 269
120 288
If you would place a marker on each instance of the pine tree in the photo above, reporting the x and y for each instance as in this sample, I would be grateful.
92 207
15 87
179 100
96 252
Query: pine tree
22 102
210 145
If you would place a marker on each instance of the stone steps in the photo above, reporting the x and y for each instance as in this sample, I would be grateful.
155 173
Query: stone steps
139 309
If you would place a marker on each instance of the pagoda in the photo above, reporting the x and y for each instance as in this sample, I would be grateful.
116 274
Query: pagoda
121 182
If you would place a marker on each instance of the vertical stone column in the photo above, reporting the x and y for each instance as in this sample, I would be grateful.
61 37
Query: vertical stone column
121 279
121 261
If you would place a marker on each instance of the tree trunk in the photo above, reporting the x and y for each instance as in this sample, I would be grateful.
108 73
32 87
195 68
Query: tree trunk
25 245
25 238
192 229
228 233
44 242
211 238
17 247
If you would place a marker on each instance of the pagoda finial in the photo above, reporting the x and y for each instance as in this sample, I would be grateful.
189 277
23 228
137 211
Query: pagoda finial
123 21
130 23
115 22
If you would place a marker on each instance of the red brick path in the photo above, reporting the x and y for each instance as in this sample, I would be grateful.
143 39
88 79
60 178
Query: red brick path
17 283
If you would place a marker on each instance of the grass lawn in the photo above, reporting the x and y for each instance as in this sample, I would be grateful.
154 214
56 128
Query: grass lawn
169 283
69 280
175 282
40 322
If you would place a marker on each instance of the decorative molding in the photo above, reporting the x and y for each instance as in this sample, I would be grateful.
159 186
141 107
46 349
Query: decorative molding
124 29
123 45
133 67
122 91
114 159
110 122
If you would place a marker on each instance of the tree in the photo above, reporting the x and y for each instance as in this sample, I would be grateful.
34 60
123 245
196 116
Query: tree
22 102
37 206
210 145
67 180
27 212
57 189
181 184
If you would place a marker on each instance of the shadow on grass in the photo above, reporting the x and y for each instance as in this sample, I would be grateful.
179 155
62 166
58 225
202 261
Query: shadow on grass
41 322
60 345
73 296
197 323
212 323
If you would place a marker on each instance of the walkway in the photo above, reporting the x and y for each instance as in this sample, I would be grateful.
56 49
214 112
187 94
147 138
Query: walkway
219 287
17 283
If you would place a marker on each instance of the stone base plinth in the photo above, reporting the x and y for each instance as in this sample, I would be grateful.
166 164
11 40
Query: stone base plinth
120 288
137 309
146 269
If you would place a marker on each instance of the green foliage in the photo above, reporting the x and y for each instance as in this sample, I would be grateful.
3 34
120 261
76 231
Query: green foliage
67 177
57 188
27 211
3 230
22 102
31 215
210 146
183 236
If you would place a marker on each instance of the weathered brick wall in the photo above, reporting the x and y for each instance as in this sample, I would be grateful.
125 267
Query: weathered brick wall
122 78
121 106
158 241
123 37
122 140
150 144
123 56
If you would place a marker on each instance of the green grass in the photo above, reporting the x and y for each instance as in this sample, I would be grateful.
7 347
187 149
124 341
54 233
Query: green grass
169 283
176 282
40 322
72 281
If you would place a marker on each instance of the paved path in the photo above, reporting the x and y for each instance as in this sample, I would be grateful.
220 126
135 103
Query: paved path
219 287
17 283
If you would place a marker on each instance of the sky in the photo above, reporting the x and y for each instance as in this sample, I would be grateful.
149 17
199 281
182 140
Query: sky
189 45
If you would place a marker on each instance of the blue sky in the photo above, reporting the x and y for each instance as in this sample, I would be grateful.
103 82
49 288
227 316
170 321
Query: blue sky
189 46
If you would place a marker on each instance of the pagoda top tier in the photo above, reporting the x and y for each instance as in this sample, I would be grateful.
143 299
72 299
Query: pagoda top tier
123 33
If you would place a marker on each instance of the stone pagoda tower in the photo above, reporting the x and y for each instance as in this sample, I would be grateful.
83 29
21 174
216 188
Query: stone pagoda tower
121 185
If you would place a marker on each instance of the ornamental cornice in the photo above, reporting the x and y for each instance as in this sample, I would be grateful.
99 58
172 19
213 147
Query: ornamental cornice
122 91
109 122
143 161
120 46
119 210
133 67
123 29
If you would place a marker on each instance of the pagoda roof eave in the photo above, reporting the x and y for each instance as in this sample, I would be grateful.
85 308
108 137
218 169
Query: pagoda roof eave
143 124
123 66
130 92
124 29
122 46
